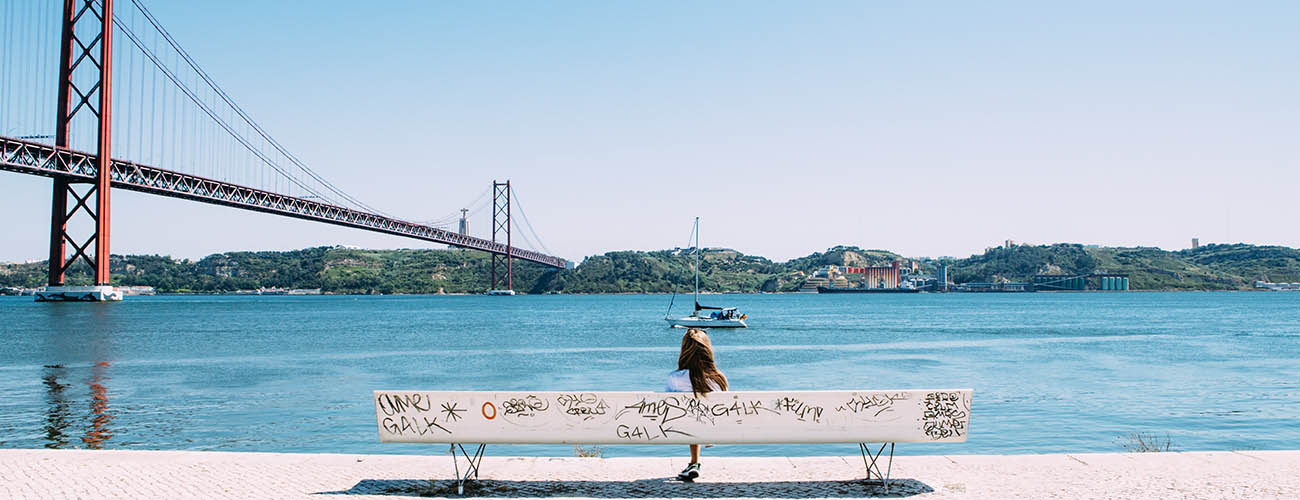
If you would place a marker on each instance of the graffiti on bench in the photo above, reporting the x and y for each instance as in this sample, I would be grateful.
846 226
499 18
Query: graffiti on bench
632 417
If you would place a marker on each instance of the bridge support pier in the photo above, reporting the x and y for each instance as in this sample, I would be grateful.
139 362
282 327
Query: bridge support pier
91 49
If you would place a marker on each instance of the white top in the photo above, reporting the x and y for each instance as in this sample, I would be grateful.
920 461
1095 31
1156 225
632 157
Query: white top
680 381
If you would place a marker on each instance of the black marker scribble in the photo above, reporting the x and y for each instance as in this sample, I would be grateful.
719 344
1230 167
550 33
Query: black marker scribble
405 425
528 406
452 411
802 411
944 415
587 405
668 409
647 433
392 404
740 408
872 403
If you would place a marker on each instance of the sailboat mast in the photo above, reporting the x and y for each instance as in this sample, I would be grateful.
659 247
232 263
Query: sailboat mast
697 264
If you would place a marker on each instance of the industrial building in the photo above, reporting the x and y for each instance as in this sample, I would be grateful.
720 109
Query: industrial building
877 276
871 277
1109 282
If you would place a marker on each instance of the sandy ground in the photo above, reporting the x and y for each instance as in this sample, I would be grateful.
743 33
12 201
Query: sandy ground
198 474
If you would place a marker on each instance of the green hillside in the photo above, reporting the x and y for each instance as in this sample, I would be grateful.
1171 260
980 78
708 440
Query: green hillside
661 271
1250 262
355 271
1020 262
1211 267
843 256
334 270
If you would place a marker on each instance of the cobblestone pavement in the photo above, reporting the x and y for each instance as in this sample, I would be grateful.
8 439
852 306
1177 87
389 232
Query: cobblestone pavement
42 474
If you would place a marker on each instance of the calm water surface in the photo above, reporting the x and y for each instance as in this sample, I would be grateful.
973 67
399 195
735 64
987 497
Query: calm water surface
1064 372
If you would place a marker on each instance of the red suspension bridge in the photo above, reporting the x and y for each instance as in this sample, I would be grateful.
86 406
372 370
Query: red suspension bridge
64 116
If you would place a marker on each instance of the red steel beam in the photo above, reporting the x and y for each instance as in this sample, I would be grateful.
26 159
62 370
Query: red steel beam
510 274
105 153
74 12
59 199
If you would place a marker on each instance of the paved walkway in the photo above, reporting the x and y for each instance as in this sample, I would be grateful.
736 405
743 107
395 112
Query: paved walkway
191 474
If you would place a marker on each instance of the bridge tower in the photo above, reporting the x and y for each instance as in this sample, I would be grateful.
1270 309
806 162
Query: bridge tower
501 224
85 90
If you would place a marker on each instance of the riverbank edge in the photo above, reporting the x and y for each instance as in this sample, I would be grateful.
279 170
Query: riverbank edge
467 294
41 473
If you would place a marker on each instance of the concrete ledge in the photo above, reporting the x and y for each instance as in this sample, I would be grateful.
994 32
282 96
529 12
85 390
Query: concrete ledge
199 474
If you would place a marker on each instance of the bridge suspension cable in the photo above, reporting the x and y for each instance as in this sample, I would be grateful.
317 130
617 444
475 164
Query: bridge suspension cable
28 53
204 128
194 98
478 203
243 115
535 237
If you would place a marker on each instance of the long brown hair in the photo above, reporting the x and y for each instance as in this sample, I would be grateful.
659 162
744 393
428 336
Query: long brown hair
697 358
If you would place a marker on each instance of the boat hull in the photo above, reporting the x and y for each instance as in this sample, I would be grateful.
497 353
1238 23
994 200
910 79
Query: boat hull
822 289
697 322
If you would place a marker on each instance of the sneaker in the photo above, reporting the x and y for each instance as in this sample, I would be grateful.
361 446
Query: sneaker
689 474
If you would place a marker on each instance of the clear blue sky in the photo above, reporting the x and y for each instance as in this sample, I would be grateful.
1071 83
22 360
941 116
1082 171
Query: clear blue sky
929 128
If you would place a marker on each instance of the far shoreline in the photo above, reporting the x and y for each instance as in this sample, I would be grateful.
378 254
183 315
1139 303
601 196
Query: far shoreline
519 293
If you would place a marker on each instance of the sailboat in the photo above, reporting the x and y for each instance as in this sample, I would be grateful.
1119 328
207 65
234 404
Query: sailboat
717 317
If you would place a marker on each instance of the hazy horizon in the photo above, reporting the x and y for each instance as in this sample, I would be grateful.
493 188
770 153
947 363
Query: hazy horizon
788 127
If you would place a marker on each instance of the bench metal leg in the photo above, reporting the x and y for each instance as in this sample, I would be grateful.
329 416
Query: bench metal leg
869 460
471 469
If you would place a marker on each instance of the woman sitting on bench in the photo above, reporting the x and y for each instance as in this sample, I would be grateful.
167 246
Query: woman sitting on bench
696 373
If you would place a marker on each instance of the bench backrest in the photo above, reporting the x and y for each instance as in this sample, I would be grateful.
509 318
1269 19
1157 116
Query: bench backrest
673 418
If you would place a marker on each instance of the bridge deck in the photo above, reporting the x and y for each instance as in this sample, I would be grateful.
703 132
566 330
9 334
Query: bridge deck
33 158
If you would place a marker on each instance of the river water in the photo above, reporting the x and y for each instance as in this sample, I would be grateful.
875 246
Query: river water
1052 372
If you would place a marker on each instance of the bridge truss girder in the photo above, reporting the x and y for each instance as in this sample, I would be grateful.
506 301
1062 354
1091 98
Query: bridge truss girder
28 157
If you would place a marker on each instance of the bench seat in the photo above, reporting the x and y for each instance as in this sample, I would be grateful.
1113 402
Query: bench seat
732 417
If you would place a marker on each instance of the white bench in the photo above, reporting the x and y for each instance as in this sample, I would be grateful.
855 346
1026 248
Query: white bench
738 417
